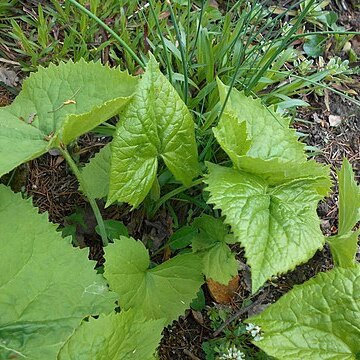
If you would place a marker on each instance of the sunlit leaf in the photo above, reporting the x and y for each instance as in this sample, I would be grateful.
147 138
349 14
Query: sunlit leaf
56 105
278 226
156 124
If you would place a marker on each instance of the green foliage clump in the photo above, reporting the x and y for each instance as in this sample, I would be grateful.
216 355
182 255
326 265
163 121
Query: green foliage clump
268 196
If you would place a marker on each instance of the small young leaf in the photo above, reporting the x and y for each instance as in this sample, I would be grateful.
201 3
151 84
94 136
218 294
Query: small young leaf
219 263
182 237
314 45
278 226
47 286
114 229
199 302
316 320
155 124
344 248
164 291
96 173
126 336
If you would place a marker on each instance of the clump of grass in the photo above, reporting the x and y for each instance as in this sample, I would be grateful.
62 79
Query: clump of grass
250 45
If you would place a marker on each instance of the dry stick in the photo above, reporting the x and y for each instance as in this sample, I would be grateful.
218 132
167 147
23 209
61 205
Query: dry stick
190 355
240 312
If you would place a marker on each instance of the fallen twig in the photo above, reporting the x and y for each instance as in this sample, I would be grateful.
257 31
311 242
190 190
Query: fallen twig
191 355
240 312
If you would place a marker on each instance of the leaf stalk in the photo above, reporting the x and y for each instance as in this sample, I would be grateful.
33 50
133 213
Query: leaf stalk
92 201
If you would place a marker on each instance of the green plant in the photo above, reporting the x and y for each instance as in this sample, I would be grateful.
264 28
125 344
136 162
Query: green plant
268 197
249 43
235 342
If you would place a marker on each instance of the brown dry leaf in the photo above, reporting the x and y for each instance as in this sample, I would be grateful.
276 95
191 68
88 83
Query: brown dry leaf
334 120
197 315
164 15
214 4
223 294
8 77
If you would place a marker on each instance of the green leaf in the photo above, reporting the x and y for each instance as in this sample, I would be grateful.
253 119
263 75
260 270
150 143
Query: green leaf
124 336
349 199
316 320
268 134
344 248
96 173
276 173
259 141
114 229
314 45
278 226
182 237
164 291
56 105
19 142
219 262
155 124
199 303
47 286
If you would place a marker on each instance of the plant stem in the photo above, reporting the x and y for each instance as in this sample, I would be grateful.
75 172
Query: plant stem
112 32
84 189
168 65
174 192
298 36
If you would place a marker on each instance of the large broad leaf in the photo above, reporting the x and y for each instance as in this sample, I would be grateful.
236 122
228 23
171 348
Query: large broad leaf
278 226
96 173
124 336
344 246
260 141
56 105
164 291
319 319
156 124
211 242
47 286
19 142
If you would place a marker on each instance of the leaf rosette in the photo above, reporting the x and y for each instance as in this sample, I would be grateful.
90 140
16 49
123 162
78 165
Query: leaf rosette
270 195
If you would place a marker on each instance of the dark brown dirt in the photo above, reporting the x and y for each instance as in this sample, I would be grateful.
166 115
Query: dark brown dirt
183 339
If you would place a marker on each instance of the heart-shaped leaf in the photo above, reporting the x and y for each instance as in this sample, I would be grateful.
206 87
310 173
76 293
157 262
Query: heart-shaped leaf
156 124
278 226
164 291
